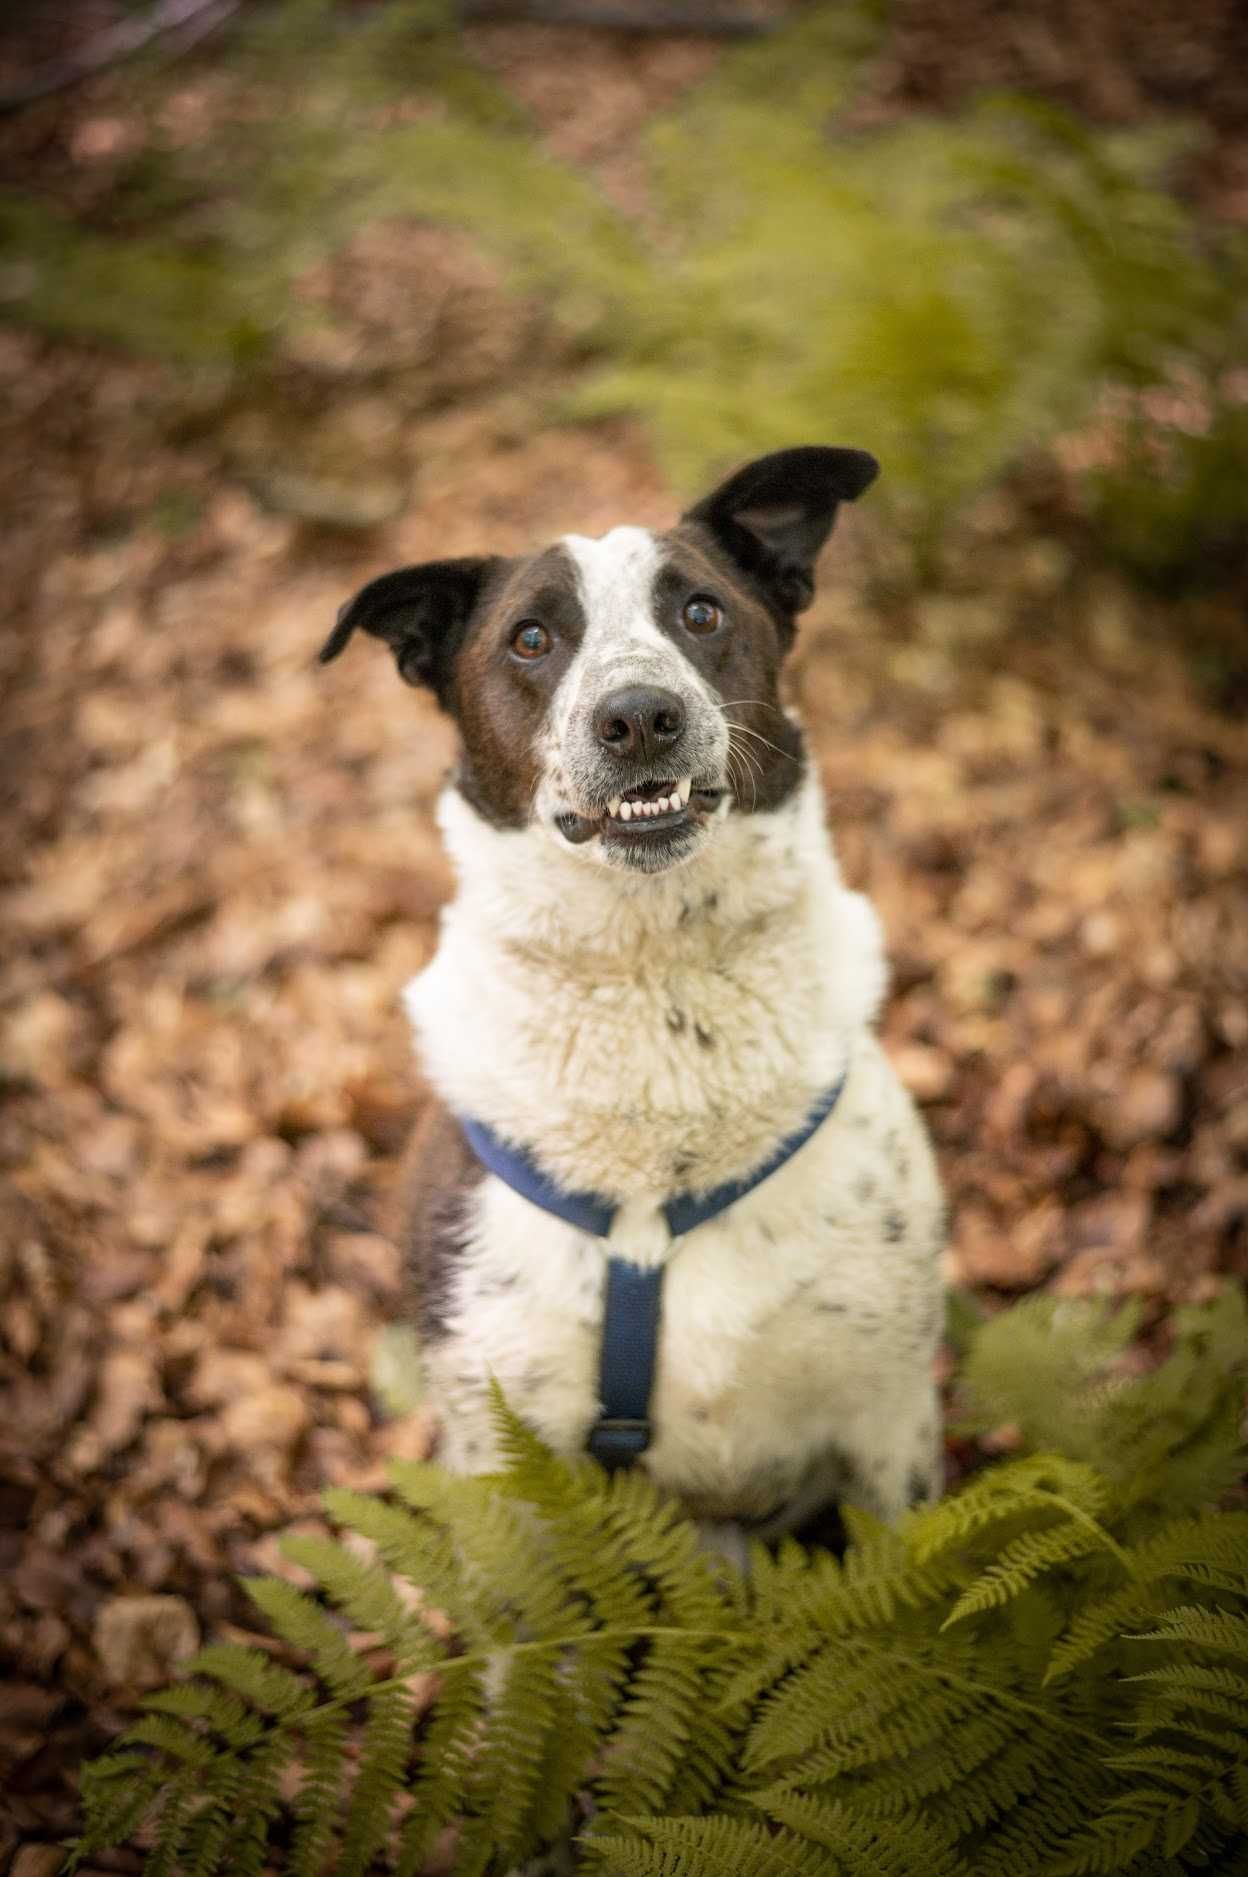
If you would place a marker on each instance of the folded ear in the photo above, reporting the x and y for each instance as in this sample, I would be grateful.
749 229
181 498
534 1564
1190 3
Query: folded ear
774 515
421 613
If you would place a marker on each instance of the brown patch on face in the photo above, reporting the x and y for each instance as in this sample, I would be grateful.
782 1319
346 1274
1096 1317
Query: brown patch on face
499 701
741 662
440 1172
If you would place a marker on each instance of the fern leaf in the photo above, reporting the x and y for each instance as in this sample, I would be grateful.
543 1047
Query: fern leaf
664 1544
303 1624
1205 1629
257 1804
417 1549
209 1830
1181 1827
520 1720
316 1803
587 1687
1037 1484
366 1597
867 1847
709 1847
384 1756
180 1742
501 1573
446 1757
223 1713
118 1793
840 1691
659 1716
1188 1771
265 1684
1020 1563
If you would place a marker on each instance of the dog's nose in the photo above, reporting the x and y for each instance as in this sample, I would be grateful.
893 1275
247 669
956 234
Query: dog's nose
639 721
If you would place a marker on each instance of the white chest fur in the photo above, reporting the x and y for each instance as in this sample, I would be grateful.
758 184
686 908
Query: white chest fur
644 1035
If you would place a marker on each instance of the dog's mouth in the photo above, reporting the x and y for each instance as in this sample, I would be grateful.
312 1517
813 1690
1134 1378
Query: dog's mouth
644 812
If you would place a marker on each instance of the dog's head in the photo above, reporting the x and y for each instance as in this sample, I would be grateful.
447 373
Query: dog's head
618 693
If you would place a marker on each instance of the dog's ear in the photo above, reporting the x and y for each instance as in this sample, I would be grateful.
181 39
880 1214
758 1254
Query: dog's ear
774 515
422 614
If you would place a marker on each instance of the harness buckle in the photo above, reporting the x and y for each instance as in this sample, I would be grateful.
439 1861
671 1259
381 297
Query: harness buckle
617 1440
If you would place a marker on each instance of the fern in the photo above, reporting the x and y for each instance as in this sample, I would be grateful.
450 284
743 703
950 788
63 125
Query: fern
927 257
1044 1674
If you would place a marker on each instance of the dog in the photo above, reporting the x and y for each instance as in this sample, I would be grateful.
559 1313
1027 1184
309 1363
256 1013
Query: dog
666 1159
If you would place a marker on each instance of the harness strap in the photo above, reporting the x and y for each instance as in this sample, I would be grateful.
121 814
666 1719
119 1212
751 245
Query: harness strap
633 1305
630 1347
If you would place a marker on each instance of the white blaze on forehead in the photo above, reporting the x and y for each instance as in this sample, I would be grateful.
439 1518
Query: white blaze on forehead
615 577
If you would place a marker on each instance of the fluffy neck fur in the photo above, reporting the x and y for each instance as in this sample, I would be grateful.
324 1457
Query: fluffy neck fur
643 1035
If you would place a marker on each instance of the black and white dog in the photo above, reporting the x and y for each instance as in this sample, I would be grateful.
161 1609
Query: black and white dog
651 988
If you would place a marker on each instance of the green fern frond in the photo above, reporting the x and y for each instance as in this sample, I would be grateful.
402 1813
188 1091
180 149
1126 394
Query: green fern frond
265 1684
1023 1560
257 1803
522 1716
841 1685
1080 1722
1204 1629
315 1807
384 1754
867 1848
366 1597
1188 1771
650 1529
1039 1485
306 1627
446 1756
172 1737
656 1723
708 1847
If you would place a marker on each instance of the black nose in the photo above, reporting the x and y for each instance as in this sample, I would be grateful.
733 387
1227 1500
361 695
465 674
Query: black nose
639 721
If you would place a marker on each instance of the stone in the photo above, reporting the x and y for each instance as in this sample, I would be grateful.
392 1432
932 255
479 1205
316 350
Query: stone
141 1640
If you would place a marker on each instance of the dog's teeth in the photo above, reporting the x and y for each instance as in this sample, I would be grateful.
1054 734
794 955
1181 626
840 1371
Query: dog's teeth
683 790
664 805
626 809
613 808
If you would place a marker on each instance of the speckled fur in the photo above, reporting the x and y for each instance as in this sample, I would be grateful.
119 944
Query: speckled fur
655 1016
665 1032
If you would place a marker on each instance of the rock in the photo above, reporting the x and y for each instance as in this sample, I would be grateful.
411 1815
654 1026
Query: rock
140 1640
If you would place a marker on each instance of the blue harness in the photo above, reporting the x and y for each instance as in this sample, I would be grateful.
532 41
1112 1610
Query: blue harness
633 1307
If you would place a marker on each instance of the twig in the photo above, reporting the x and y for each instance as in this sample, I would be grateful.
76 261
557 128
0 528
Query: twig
190 19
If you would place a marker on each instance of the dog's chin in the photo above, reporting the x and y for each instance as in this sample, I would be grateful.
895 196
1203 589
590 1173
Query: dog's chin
649 845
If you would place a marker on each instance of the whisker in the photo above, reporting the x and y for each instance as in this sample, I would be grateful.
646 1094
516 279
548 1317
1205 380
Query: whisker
745 730
754 771
731 702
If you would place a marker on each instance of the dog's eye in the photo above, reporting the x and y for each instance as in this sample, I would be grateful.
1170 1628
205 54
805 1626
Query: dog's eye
701 614
530 640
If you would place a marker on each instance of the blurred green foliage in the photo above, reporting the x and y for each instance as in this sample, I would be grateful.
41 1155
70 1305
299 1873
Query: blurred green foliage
954 293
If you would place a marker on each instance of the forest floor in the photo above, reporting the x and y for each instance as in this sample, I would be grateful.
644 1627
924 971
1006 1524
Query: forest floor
221 867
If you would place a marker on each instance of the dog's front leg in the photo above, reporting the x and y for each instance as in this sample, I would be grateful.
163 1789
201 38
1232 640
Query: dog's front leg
896 1454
